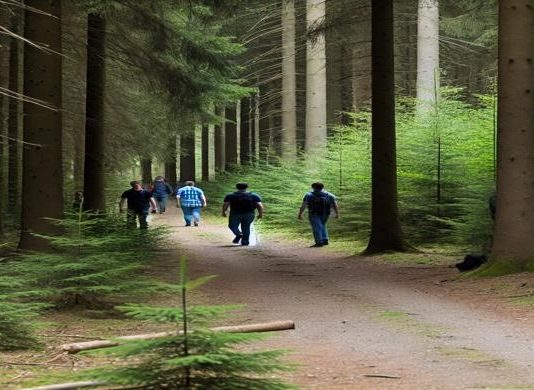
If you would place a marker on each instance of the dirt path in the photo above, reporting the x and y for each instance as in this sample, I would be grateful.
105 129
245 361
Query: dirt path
358 319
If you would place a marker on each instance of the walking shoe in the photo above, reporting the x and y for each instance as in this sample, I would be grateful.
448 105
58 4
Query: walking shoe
244 244
237 239
316 246
196 223
325 242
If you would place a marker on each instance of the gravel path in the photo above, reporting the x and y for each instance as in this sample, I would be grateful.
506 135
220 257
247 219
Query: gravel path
362 323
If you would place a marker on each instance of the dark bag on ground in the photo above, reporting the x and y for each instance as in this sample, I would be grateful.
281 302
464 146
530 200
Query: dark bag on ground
471 262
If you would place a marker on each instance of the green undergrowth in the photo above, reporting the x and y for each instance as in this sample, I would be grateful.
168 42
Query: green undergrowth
457 217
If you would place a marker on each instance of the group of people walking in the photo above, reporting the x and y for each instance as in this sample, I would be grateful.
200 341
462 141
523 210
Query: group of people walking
242 204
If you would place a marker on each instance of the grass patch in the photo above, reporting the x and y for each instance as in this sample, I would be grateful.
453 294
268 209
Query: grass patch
527 301
406 322
471 355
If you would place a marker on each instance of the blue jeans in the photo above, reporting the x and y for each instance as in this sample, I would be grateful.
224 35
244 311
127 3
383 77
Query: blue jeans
243 219
162 203
133 215
191 214
318 224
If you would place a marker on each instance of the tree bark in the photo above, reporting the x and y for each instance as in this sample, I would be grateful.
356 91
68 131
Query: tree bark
4 114
289 82
232 136
245 134
187 156
42 182
386 234
315 80
95 146
361 62
170 162
15 120
146 171
427 56
513 245
220 142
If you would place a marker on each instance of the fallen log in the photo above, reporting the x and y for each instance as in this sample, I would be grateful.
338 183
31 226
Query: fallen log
96 344
68 386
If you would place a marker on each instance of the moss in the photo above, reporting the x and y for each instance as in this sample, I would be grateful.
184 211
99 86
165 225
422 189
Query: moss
406 321
501 267
471 355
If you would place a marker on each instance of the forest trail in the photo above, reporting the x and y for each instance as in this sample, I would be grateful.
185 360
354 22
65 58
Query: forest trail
362 323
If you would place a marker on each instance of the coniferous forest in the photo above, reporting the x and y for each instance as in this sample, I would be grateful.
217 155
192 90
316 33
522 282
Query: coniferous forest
417 116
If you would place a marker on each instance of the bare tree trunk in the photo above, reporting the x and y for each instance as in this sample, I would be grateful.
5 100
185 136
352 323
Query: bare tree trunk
170 162
289 82
361 62
513 246
15 120
427 55
386 234
187 156
146 171
256 140
4 114
220 142
95 146
42 183
245 135
232 136
315 80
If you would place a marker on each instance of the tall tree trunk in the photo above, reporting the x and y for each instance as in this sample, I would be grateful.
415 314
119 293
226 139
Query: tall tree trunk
232 136
170 162
513 245
207 154
15 120
245 136
220 142
256 133
289 82
361 62
95 145
146 171
427 55
4 114
42 183
187 156
315 80
386 231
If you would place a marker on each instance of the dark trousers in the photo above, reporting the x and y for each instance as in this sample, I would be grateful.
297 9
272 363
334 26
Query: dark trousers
243 219
161 202
134 215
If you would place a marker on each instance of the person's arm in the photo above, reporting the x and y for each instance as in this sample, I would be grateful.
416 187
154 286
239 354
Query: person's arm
260 208
203 200
301 210
225 208
178 199
153 204
122 204
336 210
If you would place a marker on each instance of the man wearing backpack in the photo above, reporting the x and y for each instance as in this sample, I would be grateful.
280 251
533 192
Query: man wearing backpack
243 205
319 203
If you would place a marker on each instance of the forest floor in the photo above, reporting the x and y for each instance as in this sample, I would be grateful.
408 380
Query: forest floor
400 321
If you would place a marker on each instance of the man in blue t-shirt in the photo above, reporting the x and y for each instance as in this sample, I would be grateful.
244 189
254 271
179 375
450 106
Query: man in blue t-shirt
243 205
190 199
139 201
319 203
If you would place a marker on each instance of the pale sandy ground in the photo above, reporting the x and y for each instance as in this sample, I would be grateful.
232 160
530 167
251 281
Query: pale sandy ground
357 317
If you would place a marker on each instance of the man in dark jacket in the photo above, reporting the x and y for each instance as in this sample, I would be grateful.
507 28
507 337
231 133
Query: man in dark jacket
243 205
139 201
161 192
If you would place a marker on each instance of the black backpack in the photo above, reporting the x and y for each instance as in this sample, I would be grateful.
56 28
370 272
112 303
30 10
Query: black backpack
319 203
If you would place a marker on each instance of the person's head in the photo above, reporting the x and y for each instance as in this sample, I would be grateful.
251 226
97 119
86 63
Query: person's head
317 186
159 178
136 185
190 183
241 186
78 195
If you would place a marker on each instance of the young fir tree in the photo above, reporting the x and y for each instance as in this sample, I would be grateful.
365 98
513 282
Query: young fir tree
94 259
16 327
194 358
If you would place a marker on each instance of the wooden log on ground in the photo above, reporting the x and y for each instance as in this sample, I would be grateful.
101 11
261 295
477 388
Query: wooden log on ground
68 386
96 344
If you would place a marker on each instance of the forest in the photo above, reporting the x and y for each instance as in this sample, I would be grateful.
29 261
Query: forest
416 115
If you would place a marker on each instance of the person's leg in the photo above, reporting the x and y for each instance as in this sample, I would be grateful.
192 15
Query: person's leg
246 221
233 223
131 219
188 215
324 230
143 224
196 215
162 204
316 225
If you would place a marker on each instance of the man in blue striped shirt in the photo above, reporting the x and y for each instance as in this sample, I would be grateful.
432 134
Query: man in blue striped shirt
190 199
